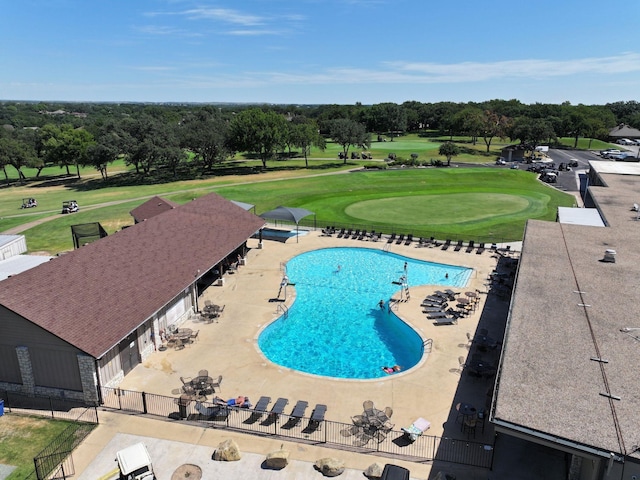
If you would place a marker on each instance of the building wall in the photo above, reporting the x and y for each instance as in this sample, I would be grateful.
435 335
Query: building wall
13 247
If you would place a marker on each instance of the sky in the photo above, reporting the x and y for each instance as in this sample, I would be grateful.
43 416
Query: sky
320 51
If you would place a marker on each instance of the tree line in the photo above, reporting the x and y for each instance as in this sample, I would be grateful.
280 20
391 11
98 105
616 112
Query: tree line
151 137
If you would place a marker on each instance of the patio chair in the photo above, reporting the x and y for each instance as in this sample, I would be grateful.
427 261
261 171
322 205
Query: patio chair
446 244
203 373
362 235
462 362
367 406
391 238
458 246
481 249
178 344
433 310
470 247
341 233
416 429
388 411
193 339
356 234
186 380
437 315
400 239
216 384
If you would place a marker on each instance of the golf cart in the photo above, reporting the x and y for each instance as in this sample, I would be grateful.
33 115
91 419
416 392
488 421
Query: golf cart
29 203
134 463
70 206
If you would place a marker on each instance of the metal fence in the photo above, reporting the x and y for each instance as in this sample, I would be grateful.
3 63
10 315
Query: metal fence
54 407
55 461
335 434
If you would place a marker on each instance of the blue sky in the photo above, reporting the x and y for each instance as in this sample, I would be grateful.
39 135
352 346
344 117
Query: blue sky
320 51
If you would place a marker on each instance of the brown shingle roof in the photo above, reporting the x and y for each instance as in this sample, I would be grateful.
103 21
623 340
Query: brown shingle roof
95 296
152 207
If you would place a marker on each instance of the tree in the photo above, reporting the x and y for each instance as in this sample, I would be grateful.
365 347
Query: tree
449 149
205 134
305 134
470 121
387 117
347 133
494 125
66 145
257 131
17 153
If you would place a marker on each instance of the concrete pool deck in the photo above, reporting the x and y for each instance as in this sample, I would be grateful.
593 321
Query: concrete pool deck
229 348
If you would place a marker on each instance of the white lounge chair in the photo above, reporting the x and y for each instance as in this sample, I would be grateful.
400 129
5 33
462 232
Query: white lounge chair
416 429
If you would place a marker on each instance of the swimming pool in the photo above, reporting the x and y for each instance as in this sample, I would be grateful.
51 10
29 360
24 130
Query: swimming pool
335 328
274 233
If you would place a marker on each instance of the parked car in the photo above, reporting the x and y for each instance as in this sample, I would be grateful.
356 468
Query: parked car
624 141
501 161
602 153
611 153
572 163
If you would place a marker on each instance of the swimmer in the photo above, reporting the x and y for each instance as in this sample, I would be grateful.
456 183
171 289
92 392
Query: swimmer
446 275
338 269
381 304
390 370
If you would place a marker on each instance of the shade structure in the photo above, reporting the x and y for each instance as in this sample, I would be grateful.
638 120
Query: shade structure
246 206
288 214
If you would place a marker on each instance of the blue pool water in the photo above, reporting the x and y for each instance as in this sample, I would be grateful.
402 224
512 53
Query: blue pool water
335 328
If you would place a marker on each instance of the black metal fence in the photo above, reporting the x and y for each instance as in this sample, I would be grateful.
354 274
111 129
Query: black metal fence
335 434
55 461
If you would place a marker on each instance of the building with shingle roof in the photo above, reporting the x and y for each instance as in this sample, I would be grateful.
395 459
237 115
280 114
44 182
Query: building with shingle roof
152 207
567 373
88 317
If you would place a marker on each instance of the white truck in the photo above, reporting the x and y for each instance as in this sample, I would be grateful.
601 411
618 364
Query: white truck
134 463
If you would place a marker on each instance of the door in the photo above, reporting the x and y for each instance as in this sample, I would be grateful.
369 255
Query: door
129 355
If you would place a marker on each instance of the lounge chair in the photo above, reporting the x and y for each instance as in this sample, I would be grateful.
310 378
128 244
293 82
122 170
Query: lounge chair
215 412
363 235
400 239
409 239
391 238
297 413
356 234
434 315
259 410
458 246
481 249
470 247
317 417
341 233
278 408
416 429
451 293
434 299
446 245
433 310
445 321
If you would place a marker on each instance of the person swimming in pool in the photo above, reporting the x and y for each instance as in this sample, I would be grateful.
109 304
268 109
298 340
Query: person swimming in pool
390 370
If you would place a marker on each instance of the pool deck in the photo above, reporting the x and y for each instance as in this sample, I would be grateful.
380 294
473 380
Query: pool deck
229 348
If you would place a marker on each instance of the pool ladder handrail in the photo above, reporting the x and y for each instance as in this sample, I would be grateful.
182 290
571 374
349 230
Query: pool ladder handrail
427 346
283 267
386 247
283 309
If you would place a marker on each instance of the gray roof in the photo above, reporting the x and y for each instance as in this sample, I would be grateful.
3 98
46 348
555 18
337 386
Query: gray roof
96 295
624 131
20 263
289 214
152 207
567 309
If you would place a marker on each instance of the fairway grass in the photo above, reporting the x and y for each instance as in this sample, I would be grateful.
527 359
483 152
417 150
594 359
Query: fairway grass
482 204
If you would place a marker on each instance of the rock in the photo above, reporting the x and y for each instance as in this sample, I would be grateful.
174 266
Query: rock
278 460
373 471
227 451
330 467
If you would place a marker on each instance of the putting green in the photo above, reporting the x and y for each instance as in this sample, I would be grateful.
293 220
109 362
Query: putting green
441 209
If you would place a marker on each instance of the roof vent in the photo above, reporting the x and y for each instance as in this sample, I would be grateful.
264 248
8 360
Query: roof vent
609 256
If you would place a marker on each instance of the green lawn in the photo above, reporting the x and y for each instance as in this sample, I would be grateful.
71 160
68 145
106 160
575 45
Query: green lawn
483 204
24 437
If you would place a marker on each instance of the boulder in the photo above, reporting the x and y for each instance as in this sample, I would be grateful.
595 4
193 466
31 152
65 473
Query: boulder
227 451
330 467
278 460
373 471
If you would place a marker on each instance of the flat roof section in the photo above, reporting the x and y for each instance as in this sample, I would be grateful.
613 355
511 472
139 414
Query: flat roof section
580 216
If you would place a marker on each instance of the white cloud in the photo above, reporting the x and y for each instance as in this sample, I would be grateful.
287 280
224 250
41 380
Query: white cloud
225 15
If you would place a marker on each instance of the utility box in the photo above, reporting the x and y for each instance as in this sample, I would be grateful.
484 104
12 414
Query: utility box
134 463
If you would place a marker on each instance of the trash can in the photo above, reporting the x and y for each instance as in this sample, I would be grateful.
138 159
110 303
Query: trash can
1 407
183 402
